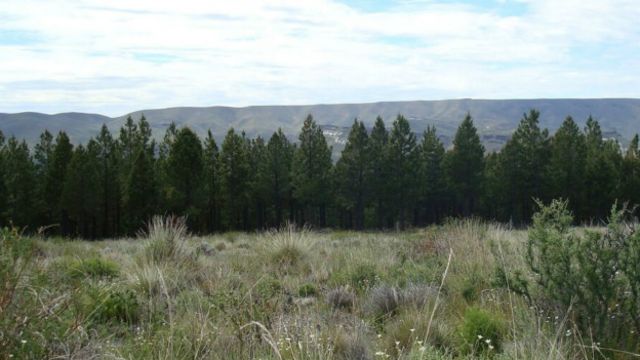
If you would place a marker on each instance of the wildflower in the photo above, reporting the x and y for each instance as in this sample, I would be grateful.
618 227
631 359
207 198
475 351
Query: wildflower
490 347
488 341
23 341
380 353
379 336
479 337
397 342
412 330
422 348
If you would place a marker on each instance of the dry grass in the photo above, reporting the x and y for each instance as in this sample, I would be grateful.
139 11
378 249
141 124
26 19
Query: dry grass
377 295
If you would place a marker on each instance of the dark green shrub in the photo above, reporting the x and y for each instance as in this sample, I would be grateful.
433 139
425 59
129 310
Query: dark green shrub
585 273
306 290
363 276
481 332
267 288
114 305
94 267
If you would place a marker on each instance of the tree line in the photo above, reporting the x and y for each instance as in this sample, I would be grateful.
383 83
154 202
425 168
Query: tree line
385 178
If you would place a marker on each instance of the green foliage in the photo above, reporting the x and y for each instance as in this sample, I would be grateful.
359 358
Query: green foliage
481 332
352 174
277 170
307 289
184 175
523 169
113 305
402 155
311 172
93 267
165 240
363 276
465 166
234 170
587 274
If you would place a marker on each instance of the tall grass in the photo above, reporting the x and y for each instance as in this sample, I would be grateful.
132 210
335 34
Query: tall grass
289 293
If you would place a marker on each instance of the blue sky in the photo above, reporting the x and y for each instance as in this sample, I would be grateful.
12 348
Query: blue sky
116 56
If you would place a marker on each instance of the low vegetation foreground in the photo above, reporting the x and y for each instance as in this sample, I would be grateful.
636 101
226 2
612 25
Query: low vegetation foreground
465 289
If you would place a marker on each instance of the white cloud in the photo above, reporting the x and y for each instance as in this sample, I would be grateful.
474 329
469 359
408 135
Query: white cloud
117 56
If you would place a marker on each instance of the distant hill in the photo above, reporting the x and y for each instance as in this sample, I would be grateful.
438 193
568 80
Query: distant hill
495 119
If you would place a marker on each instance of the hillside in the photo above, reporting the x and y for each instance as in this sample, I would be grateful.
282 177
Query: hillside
495 119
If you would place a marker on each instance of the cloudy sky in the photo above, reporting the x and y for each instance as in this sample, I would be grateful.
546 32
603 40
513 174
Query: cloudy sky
116 56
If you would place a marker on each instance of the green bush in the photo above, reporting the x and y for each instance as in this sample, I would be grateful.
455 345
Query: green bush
94 267
588 273
363 276
481 332
306 290
114 305
166 237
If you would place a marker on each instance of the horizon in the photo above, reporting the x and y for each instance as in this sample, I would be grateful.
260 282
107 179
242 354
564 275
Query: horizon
317 104
109 58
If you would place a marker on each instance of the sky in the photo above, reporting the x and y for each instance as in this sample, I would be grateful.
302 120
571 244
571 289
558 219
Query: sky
113 57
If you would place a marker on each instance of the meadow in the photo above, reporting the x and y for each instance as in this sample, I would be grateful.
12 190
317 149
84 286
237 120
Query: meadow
463 289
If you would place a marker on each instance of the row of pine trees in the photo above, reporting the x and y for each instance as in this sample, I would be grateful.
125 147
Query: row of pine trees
384 178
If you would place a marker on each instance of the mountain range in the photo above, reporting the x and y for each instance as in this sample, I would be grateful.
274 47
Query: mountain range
495 119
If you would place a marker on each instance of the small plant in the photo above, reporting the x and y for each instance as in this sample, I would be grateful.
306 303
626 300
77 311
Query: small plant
341 298
268 287
384 301
288 246
363 276
166 237
307 290
94 267
481 332
116 305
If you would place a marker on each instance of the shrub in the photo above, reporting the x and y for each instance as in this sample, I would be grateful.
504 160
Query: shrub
267 288
94 267
287 246
587 273
384 301
114 305
481 332
341 297
166 237
306 290
363 276
417 295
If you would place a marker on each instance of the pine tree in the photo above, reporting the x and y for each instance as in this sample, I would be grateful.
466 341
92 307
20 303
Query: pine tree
402 155
79 196
43 155
211 179
630 173
135 138
277 169
431 176
380 172
465 167
184 175
140 192
259 189
20 184
56 176
311 172
234 171
3 187
352 174
524 168
493 198
567 166
107 183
